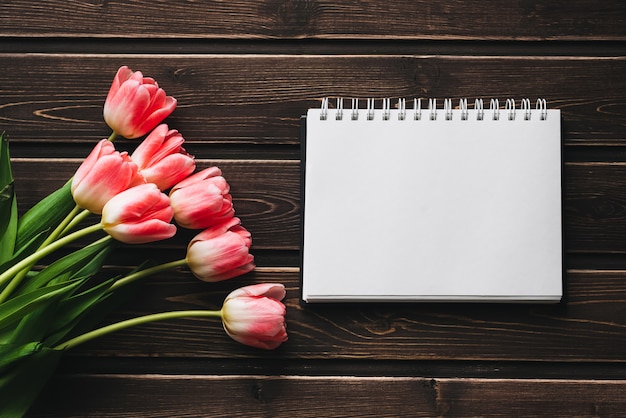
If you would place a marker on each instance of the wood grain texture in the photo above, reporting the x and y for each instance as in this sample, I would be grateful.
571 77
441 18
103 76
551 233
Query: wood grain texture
266 196
258 100
267 199
594 209
285 19
587 327
343 396
244 72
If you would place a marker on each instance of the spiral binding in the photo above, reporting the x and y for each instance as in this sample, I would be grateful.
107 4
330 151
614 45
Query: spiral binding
432 113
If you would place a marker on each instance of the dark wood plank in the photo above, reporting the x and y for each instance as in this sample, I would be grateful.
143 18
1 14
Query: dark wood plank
265 193
404 19
267 198
340 396
257 99
594 207
244 72
587 326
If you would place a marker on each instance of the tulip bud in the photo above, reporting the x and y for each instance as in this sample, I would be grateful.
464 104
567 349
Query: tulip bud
220 252
202 200
135 104
139 215
161 158
102 175
253 315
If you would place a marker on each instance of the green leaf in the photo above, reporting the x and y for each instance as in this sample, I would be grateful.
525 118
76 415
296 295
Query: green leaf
99 308
57 322
60 318
14 309
7 237
48 319
46 215
81 263
10 354
26 250
34 326
5 168
8 203
27 369
71 311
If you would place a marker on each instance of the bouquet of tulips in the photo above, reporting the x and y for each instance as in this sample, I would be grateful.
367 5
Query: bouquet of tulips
134 199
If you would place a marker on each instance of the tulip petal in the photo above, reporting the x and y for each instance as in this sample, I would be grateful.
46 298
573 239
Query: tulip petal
250 317
139 215
272 290
161 158
157 115
169 170
138 101
220 252
198 177
135 104
127 206
123 74
107 177
143 232
203 202
102 148
144 153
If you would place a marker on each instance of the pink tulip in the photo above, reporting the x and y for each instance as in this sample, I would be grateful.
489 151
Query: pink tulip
102 175
161 158
202 200
253 315
220 252
139 215
135 104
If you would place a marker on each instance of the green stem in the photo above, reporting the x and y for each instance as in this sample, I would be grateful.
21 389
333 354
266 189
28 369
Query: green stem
50 239
136 321
147 272
61 227
39 254
112 137
77 219
6 292
13 284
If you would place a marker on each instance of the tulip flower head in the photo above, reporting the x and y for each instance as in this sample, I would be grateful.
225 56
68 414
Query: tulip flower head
220 252
202 200
139 215
254 315
161 158
102 175
135 104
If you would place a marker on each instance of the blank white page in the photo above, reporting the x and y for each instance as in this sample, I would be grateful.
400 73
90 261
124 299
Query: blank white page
432 210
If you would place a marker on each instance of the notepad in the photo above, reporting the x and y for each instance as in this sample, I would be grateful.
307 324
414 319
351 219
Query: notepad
411 201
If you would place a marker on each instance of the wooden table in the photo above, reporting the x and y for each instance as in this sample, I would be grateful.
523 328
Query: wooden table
243 73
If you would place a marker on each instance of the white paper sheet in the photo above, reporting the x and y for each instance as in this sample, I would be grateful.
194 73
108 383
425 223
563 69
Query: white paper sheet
432 210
